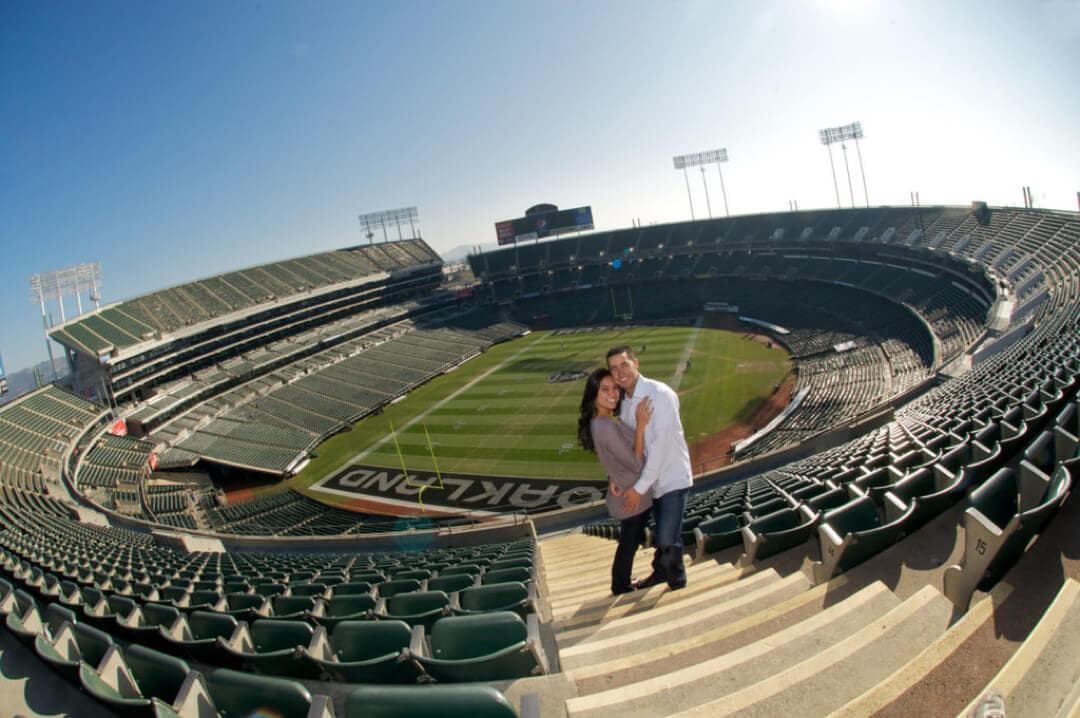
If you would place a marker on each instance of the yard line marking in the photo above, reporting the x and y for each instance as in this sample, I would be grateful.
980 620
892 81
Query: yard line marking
438 405
680 368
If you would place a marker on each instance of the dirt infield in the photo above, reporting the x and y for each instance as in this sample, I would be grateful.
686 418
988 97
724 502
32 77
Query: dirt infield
714 451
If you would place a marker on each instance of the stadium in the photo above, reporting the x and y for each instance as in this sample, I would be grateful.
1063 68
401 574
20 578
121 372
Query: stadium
347 482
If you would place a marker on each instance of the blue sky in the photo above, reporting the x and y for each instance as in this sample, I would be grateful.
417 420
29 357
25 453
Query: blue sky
170 140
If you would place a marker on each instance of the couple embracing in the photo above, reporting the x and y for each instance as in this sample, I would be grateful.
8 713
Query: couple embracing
632 424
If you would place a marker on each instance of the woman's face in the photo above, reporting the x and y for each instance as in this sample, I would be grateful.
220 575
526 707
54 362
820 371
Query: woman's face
607 396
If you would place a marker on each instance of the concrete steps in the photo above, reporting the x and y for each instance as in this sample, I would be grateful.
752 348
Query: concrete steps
592 613
889 692
712 679
721 636
844 670
1042 677
677 620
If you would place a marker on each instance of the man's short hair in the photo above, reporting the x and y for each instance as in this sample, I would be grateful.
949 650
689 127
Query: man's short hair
621 349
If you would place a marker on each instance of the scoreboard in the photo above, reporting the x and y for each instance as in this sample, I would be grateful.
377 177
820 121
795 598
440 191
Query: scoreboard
544 224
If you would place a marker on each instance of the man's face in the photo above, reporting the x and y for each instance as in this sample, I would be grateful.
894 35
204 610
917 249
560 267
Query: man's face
624 369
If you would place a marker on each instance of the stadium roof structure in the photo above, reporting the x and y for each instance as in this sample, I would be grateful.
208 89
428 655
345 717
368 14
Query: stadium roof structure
133 325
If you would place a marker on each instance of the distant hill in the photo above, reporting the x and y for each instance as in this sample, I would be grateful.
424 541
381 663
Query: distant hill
23 381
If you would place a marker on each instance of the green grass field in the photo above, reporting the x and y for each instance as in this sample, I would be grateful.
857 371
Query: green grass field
498 415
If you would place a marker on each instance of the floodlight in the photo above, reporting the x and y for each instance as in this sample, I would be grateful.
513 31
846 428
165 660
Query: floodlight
700 159
373 220
830 136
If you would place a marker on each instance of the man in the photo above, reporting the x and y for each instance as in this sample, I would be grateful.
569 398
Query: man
666 475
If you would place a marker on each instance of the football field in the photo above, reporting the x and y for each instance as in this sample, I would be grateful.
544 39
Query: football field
503 414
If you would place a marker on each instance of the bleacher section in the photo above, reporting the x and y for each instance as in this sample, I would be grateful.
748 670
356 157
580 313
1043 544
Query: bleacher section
187 332
270 424
128 621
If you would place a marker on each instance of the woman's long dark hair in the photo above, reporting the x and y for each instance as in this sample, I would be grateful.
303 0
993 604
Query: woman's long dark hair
588 408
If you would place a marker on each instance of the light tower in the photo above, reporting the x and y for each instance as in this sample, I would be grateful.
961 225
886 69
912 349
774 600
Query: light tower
61 283
831 135
372 220
700 159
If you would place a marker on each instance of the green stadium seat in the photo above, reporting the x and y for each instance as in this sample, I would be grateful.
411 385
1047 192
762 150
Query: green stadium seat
145 592
1005 512
150 623
925 492
352 587
128 682
417 608
436 701
204 600
72 644
368 652
506 575
515 596
512 562
484 647
176 595
346 607
7 597
367 575
70 594
386 589
270 589
23 620
274 646
770 534
717 533
852 533
247 606
316 590
420 574
197 636
242 695
295 607
451 583
471 569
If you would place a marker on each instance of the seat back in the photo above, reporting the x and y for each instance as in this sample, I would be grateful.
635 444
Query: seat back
859 514
352 587
416 602
388 589
455 582
998 497
211 624
157 674
349 604
269 634
496 596
365 640
463 637
506 574
93 643
158 614
286 605
244 694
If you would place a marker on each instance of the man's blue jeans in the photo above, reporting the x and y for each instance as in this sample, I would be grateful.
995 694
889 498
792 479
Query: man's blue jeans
668 514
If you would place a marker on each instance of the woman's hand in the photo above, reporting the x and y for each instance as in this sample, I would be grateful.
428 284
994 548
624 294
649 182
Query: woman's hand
614 489
643 412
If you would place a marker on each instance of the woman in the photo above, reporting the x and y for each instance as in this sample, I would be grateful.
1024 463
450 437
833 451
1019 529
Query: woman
621 450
